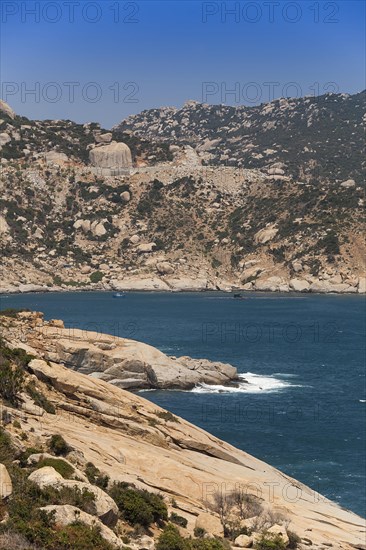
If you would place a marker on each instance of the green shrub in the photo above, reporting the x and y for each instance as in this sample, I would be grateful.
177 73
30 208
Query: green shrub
199 532
7 452
96 277
11 381
178 520
58 445
139 507
26 518
170 539
11 312
26 454
95 477
270 541
294 540
39 399
62 467
167 416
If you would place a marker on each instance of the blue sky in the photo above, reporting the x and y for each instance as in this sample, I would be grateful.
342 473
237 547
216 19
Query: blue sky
107 59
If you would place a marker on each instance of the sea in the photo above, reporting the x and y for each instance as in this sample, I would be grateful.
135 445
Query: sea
301 401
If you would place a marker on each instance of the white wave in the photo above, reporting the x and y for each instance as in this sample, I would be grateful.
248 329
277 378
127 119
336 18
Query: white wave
362 400
250 383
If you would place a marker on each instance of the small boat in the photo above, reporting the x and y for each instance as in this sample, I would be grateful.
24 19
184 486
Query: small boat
239 296
119 295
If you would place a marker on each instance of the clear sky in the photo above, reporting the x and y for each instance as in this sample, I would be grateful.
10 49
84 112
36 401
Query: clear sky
103 60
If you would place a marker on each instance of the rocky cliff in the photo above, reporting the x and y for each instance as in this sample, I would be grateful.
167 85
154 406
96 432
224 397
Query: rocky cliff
65 433
148 208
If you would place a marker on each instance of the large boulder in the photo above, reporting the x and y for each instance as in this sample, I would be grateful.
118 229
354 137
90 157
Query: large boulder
114 156
211 524
4 138
265 235
164 268
104 506
362 285
299 285
348 184
243 541
6 486
102 138
66 515
6 109
54 157
145 248
271 284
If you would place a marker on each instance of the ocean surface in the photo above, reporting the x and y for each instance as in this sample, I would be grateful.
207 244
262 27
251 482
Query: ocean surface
301 405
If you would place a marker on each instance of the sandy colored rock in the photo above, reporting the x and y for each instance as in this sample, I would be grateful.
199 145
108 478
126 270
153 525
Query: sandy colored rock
210 523
125 196
54 157
4 138
145 248
269 284
5 108
116 155
165 268
362 285
299 285
6 486
66 515
102 138
134 239
265 235
104 506
243 541
348 184
125 363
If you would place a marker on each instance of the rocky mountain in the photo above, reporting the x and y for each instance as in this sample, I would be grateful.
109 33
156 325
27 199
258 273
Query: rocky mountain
318 139
84 208
85 464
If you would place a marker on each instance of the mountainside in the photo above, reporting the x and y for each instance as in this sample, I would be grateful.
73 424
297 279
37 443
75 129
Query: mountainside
92 454
319 139
85 208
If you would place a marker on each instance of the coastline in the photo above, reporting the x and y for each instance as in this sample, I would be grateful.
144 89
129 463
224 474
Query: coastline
141 288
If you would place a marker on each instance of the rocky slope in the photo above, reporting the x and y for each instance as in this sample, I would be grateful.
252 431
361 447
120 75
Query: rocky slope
75 215
316 138
130 440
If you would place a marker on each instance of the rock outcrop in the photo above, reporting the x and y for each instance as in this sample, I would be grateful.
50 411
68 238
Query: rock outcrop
103 505
66 514
6 109
6 486
112 159
123 362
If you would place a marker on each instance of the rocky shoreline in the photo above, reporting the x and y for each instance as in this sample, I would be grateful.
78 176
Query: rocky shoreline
125 363
156 284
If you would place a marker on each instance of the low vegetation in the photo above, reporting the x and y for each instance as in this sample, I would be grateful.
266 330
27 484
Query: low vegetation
58 445
138 507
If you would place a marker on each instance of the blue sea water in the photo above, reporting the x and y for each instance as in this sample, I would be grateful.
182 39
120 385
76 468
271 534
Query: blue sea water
304 408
